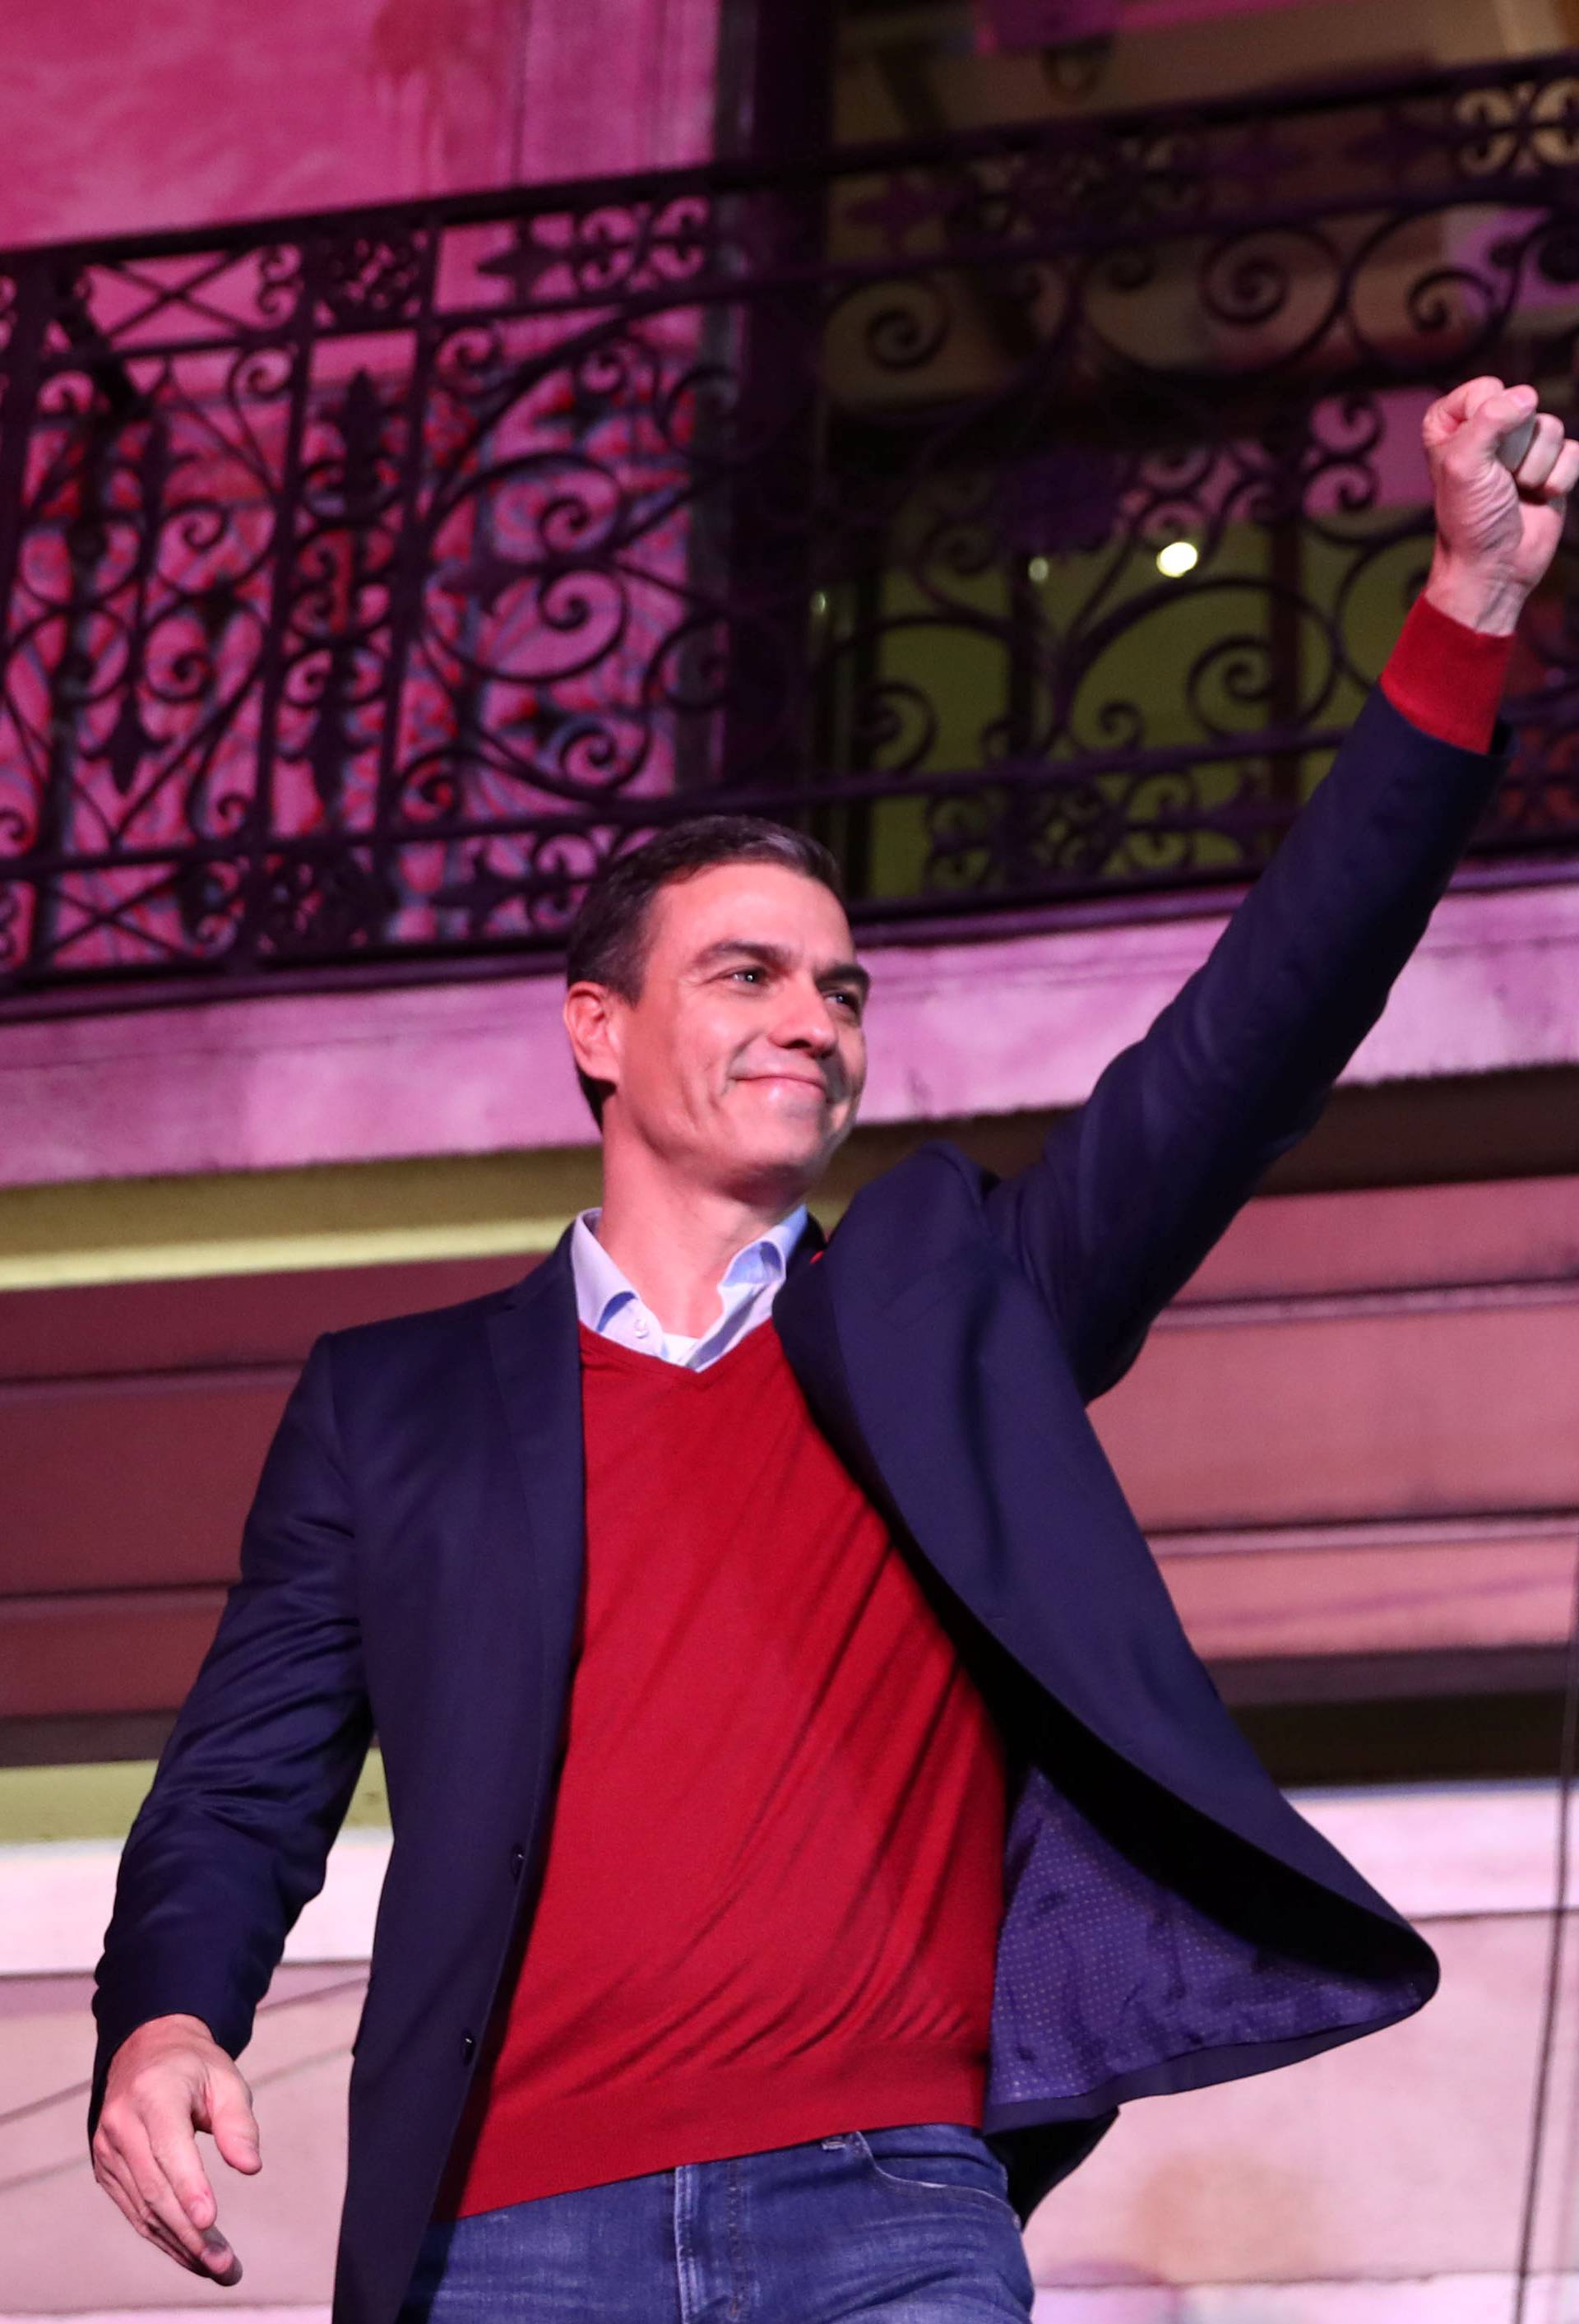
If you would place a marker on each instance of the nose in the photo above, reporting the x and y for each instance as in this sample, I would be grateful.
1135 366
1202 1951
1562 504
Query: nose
804 1022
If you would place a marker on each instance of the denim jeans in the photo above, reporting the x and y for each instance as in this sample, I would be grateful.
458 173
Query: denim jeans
895 2226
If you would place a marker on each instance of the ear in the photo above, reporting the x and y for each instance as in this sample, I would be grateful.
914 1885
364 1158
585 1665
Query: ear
589 1014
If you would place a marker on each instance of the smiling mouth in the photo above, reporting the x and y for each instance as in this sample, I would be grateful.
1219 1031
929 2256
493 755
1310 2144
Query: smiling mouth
798 1081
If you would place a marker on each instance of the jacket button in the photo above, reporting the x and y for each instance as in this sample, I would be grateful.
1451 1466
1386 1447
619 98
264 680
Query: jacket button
517 1856
468 2048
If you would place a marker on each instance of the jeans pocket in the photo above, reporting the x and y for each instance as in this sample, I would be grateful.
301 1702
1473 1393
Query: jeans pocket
937 2158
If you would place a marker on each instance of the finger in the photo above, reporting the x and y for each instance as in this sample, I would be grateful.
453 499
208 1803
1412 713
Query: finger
220 2263
119 2186
1447 415
1478 442
154 2231
175 2150
1545 442
1564 473
1478 393
154 2190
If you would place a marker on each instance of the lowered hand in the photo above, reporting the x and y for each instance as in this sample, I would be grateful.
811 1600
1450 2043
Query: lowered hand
169 2079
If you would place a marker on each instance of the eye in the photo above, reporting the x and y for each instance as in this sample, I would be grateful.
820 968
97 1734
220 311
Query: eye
745 972
852 1000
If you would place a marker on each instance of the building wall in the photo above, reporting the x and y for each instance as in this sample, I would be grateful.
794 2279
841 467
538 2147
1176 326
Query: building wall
992 1026
179 112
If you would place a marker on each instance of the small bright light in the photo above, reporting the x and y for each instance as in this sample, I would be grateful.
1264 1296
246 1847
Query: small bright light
819 601
1038 570
1179 558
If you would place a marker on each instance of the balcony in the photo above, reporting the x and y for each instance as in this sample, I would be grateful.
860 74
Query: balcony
372 577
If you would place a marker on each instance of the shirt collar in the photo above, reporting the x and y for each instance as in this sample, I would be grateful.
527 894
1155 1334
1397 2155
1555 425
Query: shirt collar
603 1288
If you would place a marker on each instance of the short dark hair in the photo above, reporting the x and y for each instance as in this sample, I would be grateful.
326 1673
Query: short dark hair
610 936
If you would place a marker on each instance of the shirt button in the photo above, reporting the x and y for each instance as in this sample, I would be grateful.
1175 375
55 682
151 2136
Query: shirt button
468 2048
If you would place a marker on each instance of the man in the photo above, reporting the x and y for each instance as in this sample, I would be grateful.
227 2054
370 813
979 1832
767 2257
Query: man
810 1822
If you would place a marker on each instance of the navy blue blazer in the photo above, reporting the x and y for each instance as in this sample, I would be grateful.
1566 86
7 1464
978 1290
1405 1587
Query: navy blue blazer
413 1564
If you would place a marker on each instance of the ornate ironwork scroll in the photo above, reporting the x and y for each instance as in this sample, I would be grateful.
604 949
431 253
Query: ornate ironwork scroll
369 578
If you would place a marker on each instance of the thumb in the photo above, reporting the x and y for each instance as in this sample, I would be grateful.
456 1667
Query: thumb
234 2124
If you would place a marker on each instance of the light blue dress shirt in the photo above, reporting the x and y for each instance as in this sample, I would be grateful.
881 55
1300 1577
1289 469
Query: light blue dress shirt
607 1301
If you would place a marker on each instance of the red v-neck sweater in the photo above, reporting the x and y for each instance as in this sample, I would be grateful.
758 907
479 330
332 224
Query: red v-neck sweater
773 1880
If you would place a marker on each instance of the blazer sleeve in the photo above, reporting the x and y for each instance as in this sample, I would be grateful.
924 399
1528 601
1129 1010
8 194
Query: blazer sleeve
1131 1189
254 1782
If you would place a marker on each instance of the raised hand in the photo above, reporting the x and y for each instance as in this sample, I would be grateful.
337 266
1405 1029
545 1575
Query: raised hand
1497 525
168 2080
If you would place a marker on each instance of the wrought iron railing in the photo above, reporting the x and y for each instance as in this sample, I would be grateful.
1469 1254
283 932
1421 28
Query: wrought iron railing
369 577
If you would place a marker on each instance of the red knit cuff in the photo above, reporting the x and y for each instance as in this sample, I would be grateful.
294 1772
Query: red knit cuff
1448 678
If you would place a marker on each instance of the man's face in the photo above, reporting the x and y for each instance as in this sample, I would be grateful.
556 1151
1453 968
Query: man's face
742 1062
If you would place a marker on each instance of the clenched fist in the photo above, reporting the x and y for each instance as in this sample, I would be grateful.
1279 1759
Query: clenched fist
1502 471
168 2080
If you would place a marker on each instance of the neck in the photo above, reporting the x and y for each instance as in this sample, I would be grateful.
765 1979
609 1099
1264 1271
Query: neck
672 1240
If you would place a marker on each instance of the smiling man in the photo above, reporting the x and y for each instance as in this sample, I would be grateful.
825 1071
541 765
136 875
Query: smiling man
713 994
810 1824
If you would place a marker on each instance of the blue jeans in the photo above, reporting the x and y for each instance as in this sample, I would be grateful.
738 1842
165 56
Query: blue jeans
895 2226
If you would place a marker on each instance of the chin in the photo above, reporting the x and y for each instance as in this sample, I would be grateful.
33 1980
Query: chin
785 1169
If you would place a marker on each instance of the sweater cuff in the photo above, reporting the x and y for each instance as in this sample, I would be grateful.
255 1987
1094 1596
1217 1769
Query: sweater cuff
1448 678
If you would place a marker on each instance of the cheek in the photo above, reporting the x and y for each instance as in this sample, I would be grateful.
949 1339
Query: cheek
660 1083
701 1068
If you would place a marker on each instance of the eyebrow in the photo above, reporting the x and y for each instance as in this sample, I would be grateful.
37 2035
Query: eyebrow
772 956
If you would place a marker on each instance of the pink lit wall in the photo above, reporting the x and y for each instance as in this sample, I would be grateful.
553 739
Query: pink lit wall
116 118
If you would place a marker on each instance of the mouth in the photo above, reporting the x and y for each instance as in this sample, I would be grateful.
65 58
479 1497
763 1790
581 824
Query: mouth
796 1081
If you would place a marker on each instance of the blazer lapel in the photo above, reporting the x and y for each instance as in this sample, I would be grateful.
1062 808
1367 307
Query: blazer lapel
536 1361
808 1331
808 1244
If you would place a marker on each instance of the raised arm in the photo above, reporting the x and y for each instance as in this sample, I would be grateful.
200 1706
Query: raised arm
230 1844
1133 1189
